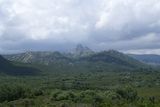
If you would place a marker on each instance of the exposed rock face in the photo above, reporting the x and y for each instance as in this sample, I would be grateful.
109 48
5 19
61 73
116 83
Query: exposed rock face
38 57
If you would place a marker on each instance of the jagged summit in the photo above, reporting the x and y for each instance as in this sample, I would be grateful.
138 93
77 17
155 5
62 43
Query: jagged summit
81 50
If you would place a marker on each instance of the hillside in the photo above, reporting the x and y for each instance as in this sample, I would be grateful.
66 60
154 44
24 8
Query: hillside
46 58
105 59
147 58
6 67
114 57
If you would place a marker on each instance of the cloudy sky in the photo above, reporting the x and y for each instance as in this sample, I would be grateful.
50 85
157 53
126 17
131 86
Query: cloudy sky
126 25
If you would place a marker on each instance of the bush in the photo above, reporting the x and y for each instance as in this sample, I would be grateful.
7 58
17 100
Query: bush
10 93
63 95
37 92
87 96
127 93
55 94
15 92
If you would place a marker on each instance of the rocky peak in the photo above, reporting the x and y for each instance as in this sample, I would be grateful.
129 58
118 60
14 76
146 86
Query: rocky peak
81 50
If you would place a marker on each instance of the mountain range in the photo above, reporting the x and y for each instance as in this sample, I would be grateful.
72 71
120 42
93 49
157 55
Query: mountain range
79 56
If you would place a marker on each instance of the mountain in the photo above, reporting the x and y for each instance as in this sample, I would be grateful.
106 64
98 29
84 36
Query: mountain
147 58
6 67
80 57
114 57
81 51
46 58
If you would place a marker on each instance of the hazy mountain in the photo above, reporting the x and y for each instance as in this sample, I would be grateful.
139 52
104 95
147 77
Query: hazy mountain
6 67
81 51
38 57
147 58
114 57
48 58
81 55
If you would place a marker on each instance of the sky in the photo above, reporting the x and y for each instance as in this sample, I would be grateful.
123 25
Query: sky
131 26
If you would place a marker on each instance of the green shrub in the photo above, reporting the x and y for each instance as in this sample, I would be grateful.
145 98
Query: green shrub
13 92
127 93
55 94
10 92
37 92
63 95
87 96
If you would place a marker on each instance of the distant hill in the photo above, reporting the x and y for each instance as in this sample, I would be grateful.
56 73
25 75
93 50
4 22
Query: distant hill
46 58
6 67
82 56
147 58
114 57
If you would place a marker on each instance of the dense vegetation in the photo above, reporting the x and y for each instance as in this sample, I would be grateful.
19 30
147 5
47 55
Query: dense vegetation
81 88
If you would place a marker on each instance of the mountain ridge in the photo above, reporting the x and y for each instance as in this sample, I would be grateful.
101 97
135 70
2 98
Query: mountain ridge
81 55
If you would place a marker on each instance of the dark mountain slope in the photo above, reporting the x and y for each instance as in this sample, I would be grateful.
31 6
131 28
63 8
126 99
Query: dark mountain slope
114 57
6 67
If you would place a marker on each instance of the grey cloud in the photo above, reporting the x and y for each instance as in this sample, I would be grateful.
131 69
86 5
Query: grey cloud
58 25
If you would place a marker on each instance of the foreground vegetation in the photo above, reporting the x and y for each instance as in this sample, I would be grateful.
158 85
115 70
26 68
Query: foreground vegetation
123 97
81 88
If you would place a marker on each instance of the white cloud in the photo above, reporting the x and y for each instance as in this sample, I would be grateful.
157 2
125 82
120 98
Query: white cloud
101 24
144 51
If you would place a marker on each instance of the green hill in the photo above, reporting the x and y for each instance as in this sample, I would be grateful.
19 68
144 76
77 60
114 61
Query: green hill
7 67
107 60
114 57
147 58
46 58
